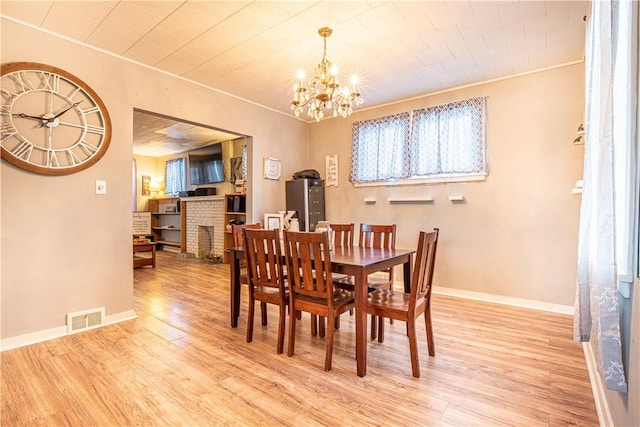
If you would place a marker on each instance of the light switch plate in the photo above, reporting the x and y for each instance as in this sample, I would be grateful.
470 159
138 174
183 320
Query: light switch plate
101 187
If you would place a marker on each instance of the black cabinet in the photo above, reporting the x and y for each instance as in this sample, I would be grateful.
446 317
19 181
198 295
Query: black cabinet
306 197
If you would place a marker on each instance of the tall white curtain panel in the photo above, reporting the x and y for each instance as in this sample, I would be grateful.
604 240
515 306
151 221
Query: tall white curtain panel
605 247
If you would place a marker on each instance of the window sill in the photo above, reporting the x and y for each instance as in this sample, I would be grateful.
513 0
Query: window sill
435 180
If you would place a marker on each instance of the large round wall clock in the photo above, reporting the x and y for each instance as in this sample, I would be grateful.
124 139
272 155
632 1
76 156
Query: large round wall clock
52 122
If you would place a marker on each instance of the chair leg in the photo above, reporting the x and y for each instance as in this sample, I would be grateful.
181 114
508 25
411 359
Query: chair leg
337 322
250 315
329 351
374 327
263 307
381 329
429 328
281 327
321 330
413 348
390 287
292 331
314 325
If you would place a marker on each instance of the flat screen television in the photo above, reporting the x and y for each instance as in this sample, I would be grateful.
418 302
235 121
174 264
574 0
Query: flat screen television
205 165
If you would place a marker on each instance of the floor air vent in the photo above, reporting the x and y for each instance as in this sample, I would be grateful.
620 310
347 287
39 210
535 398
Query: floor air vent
85 320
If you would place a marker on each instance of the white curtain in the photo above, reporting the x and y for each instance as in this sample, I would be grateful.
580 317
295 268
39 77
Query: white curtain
606 215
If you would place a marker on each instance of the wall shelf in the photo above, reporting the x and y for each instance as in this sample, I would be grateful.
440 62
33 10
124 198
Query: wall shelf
235 210
577 188
411 199
166 222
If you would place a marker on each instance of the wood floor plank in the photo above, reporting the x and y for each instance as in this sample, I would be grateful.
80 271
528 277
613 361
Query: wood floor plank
179 363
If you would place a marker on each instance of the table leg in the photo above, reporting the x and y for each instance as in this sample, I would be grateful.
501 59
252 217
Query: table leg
406 270
234 290
361 323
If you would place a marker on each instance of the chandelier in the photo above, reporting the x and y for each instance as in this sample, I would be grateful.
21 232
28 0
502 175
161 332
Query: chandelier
323 90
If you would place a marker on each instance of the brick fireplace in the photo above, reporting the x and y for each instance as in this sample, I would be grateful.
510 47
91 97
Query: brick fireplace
205 225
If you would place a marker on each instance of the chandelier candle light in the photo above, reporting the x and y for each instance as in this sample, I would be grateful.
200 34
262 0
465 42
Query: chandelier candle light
323 90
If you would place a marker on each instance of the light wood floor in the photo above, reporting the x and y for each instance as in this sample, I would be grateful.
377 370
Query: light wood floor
181 364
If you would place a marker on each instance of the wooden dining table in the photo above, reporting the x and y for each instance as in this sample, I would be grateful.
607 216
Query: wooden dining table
353 261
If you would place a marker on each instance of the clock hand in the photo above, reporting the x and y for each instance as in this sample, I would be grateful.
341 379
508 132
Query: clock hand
52 119
26 116
75 104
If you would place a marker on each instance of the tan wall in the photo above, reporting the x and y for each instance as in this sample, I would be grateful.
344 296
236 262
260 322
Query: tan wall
146 166
66 249
516 234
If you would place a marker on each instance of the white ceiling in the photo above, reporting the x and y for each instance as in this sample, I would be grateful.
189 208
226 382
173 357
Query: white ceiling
252 49
158 136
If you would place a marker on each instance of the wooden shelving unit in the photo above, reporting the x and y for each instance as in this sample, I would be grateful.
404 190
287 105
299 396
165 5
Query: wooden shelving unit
166 223
235 209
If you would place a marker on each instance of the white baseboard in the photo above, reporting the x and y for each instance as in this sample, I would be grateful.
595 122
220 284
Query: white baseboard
120 317
57 332
499 299
602 407
33 338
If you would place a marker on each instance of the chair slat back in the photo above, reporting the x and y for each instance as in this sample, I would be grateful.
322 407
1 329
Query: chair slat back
378 236
423 267
342 235
238 230
264 258
238 237
308 255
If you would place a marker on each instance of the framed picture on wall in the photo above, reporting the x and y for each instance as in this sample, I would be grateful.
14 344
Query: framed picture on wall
146 184
272 168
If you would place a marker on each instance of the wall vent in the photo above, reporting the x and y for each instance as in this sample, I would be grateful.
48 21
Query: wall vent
85 320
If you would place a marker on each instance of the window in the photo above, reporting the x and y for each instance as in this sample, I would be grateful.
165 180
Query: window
174 176
445 142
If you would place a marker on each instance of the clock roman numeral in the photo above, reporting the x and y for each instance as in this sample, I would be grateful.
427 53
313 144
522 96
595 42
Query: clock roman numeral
52 159
95 129
23 81
89 149
7 130
90 111
5 110
8 94
22 150
51 82
73 157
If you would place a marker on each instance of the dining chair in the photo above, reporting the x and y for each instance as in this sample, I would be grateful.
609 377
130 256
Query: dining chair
237 231
342 237
384 237
342 234
308 260
409 306
381 236
266 277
